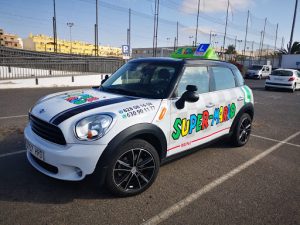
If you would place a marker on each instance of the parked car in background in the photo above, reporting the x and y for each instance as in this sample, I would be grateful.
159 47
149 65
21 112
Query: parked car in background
283 78
258 71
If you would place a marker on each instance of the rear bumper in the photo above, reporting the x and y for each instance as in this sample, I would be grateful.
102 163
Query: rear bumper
65 162
279 85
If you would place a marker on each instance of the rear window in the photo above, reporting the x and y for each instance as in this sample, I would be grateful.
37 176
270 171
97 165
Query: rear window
284 73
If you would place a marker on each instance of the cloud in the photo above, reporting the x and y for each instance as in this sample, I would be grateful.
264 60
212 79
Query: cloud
191 6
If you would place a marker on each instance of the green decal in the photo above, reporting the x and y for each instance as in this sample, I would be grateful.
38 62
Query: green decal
177 127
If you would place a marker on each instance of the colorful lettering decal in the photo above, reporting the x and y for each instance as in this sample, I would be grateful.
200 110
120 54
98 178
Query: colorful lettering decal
80 98
136 110
183 127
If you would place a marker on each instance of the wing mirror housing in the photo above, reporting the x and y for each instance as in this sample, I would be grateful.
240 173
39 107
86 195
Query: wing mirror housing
190 95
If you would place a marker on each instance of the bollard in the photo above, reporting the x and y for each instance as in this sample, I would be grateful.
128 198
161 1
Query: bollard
36 81
50 72
73 79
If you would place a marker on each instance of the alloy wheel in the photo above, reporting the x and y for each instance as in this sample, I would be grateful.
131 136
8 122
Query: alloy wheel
245 130
134 170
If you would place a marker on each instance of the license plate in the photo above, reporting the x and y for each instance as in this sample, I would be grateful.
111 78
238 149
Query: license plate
278 79
35 151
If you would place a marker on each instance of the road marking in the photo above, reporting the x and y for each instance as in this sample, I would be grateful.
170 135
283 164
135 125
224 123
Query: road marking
12 153
271 139
10 117
164 215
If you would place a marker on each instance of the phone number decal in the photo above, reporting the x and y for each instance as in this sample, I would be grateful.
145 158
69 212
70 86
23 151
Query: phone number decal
136 110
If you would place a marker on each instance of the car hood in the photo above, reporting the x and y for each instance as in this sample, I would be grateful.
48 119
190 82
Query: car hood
67 104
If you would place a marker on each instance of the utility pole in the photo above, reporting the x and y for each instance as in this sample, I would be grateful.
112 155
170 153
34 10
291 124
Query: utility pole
175 42
235 42
54 27
155 27
263 36
177 35
282 43
276 35
246 33
224 41
129 33
96 31
293 26
70 25
197 23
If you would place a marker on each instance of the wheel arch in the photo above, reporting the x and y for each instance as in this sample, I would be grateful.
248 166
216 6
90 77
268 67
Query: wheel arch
247 108
146 131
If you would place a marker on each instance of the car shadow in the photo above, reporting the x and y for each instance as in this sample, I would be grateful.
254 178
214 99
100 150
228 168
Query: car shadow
20 182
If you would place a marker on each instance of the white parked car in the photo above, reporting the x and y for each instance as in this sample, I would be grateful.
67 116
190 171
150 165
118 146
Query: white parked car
258 72
148 110
283 78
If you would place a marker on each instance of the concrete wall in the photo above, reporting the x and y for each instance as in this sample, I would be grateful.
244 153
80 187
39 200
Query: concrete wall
290 61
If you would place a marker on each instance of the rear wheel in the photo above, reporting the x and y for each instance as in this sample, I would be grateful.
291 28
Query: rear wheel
242 130
133 168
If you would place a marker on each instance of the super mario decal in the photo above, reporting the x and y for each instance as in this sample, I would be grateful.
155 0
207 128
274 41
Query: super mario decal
196 123
80 98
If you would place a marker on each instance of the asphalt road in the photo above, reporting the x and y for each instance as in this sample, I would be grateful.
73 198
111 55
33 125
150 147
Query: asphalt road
227 185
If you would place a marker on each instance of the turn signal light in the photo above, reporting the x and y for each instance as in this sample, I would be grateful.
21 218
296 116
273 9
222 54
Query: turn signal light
292 78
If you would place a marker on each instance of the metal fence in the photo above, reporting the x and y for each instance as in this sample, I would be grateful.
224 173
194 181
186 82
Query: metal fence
16 64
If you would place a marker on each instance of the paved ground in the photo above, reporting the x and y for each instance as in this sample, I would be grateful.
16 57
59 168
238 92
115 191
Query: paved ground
265 192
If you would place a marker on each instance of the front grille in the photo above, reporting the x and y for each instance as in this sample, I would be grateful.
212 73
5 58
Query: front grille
46 130
46 166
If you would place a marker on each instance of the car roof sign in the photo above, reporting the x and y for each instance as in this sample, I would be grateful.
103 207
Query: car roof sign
203 51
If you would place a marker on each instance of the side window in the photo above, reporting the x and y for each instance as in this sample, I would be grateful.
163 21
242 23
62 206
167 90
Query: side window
239 78
196 75
222 78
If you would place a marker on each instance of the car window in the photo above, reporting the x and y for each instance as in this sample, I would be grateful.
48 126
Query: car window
284 73
222 78
239 78
298 73
196 75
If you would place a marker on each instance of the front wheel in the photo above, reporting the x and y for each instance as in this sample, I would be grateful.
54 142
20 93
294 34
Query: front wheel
242 130
133 168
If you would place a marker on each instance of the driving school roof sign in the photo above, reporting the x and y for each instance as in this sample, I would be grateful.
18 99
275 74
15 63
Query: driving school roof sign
204 51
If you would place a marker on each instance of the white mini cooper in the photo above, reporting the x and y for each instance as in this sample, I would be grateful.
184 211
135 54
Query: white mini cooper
147 111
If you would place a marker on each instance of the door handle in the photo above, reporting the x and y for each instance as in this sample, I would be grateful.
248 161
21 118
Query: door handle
210 105
241 98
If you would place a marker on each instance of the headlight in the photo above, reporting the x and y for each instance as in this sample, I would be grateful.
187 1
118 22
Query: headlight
93 127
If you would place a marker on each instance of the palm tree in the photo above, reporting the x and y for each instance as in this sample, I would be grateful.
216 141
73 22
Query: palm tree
230 49
294 50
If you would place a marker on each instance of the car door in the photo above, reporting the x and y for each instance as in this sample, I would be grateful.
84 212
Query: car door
229 97
190 126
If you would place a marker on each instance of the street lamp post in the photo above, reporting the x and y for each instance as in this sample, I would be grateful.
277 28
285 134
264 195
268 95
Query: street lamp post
70 25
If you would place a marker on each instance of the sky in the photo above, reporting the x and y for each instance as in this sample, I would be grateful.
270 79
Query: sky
23 17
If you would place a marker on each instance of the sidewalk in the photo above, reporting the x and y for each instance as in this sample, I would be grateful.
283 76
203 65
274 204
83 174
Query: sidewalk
67 81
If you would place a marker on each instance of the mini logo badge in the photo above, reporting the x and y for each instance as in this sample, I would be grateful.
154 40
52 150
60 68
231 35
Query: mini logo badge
42 110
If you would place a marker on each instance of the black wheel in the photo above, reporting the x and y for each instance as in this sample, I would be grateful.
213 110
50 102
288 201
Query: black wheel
242 130
267 88
133 168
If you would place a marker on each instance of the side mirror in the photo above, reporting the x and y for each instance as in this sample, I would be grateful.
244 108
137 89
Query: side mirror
189 95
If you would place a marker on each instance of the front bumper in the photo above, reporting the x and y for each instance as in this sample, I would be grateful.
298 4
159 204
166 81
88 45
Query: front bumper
65 162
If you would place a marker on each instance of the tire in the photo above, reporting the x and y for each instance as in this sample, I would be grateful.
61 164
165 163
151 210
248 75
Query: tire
267 88
133 168
242 131
294 88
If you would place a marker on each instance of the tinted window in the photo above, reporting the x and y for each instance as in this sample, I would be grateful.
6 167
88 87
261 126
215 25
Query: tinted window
222 78
198 76
285 73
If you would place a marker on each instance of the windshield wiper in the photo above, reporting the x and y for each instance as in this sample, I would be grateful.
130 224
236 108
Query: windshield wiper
121 91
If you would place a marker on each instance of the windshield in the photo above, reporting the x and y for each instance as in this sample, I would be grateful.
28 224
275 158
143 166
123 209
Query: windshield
284 73
255 67
143 79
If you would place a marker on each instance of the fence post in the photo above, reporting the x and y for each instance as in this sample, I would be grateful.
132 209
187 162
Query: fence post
72 79
36 81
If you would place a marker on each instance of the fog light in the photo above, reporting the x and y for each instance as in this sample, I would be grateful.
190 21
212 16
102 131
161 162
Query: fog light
78 172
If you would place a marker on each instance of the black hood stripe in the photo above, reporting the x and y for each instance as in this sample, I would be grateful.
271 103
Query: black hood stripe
64 115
